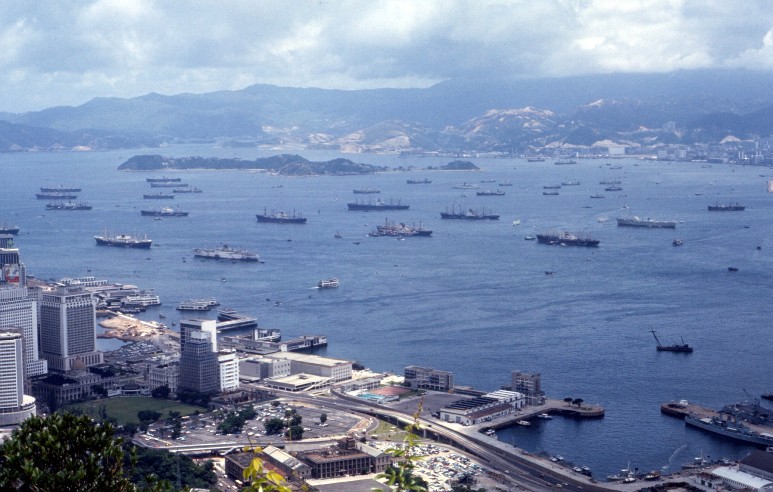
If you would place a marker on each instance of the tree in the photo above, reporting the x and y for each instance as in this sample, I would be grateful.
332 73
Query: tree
294 433
295 420
274 425
161 392
323 418
401 475
99 390
147 416
568 400
62 452
578 401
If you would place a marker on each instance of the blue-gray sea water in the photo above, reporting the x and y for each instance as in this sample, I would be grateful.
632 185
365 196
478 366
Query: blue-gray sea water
473 298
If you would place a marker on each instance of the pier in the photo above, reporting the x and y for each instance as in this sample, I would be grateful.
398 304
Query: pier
550 407
231 320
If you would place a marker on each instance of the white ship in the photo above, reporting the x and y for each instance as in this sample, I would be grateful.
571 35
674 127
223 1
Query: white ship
226 252
194 305
330 283
650 223
142 300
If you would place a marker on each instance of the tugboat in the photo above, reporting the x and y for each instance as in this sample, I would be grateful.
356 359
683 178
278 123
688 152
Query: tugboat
676 347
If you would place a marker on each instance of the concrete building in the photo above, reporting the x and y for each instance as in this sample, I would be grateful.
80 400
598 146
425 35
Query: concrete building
68 327
205 325
759 463
18 305
349 457
734 478
428 378
530 384
481 409
229 370
199 368
335 369
15 406
298 382
257 368
164 372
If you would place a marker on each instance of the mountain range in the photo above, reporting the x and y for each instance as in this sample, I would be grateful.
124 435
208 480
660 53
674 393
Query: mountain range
486 115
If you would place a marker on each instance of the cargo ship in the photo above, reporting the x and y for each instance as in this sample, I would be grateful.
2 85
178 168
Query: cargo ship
226 252
68 206
649 223
676 347
490 193
123 241
168 185
727 208
469 214
732 429
158 196
8 229
186 190
365 191
281 217
164 212
418 181
566 239
53 195
379 205
59 189
400 230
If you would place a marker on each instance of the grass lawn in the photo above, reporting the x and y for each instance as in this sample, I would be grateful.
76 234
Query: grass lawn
124 409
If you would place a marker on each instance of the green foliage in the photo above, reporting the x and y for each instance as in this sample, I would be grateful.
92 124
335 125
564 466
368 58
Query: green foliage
163 466
99 390
62 452
400 475
295 420
232 424
248 412
161 392
322 418
274 425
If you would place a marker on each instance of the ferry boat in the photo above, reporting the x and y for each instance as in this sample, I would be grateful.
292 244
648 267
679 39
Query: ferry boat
727 208
566 239
123 241
648 222
280 217
193 305
330 283
68 206
143 300
469 214
53 195
379 205
226 252
418 181
158 196
164 212
59 189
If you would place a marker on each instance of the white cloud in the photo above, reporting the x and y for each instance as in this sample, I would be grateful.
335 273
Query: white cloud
55 52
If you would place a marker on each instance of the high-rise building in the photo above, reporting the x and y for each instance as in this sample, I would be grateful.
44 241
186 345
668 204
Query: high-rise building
199 367
229 370
190 325
530 384
18 306
68 324
15 406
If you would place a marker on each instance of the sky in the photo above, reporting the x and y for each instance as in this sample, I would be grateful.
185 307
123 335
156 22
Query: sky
55 52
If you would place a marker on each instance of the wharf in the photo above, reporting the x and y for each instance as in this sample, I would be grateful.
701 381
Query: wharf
550 407
682 408
231 320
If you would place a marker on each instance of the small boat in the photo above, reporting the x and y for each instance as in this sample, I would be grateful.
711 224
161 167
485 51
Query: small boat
596 195
517 222
490 432
732 269
545 416
529 238
523 423
550 193
338 235
677 242
330 283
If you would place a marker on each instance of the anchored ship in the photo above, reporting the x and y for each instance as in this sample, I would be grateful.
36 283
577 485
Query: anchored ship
187 190
490 193
123 241
400 230
418 181
365 191
168 185
727 208
566 239
53 195
330 283
68 206
469 214
8 229
650 223
158 196
226 252
379 205
281 217
733 429
676 347
59 189
163 179
164 212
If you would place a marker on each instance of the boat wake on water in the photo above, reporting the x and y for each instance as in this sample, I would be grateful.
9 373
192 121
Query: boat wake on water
673 456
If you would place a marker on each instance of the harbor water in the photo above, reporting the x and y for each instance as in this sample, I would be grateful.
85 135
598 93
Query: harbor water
474 298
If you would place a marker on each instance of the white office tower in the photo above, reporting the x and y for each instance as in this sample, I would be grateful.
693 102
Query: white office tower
18 307
15 406
68 321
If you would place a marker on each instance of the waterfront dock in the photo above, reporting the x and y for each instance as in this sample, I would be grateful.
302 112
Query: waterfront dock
550 407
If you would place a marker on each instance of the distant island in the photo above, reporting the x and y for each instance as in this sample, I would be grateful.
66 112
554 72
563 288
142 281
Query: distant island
284 164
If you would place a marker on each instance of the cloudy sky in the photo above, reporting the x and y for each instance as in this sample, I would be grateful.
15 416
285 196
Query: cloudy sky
55 52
